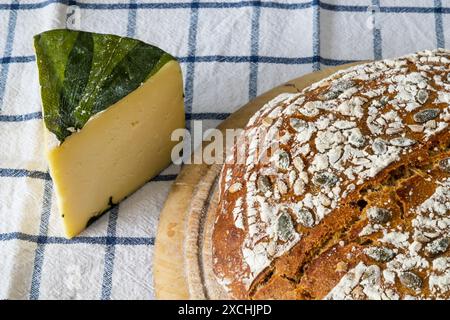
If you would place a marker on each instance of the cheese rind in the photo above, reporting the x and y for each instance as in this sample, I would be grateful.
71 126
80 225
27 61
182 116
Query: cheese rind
117 150
84 73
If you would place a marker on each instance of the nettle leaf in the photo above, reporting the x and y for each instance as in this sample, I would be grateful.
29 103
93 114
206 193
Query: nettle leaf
83 73
127 74
76 77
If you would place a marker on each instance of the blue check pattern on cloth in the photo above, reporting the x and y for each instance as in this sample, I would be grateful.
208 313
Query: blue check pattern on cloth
230 51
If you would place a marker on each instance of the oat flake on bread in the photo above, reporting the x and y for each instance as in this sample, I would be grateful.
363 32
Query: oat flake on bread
355 204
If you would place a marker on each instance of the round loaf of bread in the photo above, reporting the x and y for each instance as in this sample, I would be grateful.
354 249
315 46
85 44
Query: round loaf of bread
342 191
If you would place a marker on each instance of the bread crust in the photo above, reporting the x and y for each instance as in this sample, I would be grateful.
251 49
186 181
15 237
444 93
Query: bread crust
354 203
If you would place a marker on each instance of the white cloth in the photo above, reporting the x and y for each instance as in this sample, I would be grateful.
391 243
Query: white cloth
230 52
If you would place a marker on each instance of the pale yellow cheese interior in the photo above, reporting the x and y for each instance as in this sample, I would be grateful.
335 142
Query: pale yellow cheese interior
118 150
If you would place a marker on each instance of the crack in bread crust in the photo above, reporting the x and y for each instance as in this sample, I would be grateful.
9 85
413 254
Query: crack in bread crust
347 143
362 242
309 290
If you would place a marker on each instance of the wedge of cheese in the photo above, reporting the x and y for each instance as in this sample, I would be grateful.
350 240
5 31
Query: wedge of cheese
109 107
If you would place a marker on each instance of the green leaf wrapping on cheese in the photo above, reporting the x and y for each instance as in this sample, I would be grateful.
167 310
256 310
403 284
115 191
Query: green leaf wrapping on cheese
83 73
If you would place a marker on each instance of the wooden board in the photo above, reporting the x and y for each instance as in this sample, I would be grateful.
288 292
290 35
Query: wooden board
182 257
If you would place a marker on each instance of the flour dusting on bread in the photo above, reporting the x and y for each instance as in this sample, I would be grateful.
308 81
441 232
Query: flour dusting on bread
335 140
